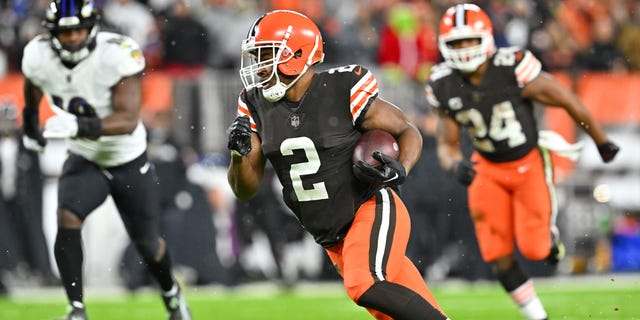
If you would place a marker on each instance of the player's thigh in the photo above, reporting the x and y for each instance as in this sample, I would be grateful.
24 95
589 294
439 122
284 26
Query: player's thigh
82 186
490 206
534 210
355 256
376 243
134 189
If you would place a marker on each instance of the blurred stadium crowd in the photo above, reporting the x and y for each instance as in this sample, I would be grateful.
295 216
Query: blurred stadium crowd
192 52
191 34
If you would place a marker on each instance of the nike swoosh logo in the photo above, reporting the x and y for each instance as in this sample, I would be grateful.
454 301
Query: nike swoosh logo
358 71
145 168
392 178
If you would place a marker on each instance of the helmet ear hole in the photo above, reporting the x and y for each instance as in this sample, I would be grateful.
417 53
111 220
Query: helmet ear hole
289 68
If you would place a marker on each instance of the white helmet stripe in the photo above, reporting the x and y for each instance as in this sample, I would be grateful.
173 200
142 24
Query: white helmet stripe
460 16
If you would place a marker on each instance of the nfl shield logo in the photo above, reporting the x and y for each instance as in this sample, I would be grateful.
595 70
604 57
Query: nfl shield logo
294 121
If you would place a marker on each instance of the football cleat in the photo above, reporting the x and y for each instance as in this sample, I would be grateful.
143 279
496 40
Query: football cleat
75 314
558 251
176 304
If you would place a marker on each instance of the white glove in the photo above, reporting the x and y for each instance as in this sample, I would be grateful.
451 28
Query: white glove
554 142
61 125
31 144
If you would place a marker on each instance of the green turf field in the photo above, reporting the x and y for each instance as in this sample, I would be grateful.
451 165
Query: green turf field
603 297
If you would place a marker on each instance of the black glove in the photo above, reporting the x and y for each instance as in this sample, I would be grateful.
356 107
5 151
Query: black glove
31 127
391 173
40 139
608 151
464 172
36 144
240 136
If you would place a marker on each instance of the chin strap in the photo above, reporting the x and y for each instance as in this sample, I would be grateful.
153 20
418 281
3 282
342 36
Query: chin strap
79 55
74 57
277 91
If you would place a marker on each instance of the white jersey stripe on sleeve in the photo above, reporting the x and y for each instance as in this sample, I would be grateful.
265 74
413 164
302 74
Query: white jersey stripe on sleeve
243 110
524 63
431 97
528 69
359 100
361 93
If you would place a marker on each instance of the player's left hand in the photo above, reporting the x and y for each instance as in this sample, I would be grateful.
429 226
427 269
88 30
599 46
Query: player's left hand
60 126
608 151
464 172
34 144
240 136
391 173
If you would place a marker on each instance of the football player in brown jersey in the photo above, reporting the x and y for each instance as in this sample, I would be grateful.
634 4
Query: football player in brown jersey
306 124
491 92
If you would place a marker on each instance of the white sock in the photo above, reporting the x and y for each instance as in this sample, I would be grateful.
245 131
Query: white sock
527 300
533 309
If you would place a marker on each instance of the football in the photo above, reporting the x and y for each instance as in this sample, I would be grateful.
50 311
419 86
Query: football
375 140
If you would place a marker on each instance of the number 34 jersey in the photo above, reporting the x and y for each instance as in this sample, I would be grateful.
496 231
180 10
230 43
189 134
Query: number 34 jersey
500 121
310 145
85 90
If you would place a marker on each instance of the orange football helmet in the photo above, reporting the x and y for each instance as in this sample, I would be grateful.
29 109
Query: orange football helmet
280 40
466 21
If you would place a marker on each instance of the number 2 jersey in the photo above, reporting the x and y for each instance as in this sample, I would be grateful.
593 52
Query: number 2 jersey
85 90
310 146
500 121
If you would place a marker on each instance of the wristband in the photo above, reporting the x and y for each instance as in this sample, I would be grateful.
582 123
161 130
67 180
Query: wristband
31 122
89 127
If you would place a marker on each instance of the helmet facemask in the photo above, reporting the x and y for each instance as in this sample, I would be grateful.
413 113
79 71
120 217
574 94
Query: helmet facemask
470 58
259 65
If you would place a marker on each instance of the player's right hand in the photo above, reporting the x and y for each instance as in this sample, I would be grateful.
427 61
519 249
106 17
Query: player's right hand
240 136
37 144
391 173
61 126
608 151
464 172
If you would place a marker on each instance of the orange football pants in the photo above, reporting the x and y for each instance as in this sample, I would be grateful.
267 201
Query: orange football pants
513 202
374 249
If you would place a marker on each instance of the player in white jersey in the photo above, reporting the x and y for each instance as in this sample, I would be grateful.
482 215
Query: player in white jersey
92 81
